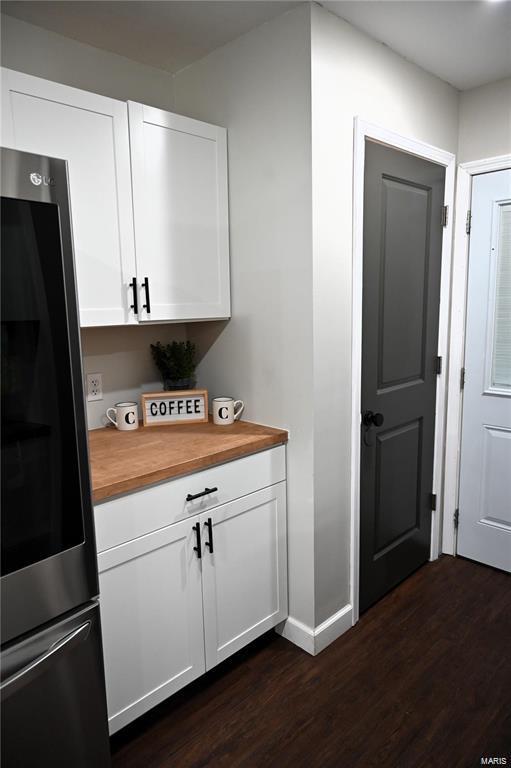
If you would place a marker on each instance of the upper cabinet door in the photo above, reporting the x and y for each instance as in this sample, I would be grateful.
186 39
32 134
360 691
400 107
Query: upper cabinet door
91 133
179 172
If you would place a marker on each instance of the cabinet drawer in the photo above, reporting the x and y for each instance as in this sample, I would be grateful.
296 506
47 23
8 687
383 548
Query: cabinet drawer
127 517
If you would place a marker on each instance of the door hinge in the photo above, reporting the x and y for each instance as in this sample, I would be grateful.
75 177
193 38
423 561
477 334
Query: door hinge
432 499
468 225
462 379
438 365
445 215
456 518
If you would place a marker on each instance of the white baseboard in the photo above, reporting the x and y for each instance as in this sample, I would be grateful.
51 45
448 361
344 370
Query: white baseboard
315 640
298 633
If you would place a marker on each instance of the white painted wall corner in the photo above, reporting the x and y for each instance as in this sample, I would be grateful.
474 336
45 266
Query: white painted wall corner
315 640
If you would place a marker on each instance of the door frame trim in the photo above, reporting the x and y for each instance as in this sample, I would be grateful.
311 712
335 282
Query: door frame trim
362 131
466 172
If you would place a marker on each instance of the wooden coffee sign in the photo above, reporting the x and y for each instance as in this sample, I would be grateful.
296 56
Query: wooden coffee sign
189 406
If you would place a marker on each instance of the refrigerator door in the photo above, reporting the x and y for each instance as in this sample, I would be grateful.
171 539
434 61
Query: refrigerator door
53 699
48 554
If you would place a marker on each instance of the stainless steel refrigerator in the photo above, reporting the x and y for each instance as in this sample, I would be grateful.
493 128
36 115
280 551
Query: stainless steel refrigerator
53 706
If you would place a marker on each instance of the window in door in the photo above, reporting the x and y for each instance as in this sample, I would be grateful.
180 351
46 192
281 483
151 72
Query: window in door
498 367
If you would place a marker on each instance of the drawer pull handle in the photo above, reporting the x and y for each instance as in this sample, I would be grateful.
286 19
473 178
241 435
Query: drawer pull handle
209 526
197 549
193 496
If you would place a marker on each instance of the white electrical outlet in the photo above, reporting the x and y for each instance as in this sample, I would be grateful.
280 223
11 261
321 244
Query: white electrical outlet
94 386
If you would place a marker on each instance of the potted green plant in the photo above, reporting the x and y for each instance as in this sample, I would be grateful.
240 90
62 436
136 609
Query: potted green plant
176 364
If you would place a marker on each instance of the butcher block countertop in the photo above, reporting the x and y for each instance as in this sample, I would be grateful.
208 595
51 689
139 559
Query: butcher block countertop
126 461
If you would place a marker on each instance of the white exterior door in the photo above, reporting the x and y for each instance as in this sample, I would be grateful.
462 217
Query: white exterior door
484 532
151 614
179 170
245 577
91 133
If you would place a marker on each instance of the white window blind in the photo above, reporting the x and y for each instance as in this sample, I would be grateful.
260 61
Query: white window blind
501 357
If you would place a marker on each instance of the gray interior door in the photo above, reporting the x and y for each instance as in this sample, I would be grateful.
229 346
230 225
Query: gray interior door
403 201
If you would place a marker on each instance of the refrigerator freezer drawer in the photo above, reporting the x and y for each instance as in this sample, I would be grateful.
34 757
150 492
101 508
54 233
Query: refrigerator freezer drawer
53 701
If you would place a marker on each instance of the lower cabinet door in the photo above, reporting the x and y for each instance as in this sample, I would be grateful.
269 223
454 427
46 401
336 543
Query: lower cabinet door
244 566
151 615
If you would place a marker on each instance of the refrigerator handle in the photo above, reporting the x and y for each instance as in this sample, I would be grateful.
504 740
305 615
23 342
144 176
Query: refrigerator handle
39 665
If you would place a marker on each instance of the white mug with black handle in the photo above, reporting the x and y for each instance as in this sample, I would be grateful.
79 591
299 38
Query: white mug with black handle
125 416
226 410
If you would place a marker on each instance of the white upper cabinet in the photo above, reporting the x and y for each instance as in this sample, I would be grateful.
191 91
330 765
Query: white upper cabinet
91 133
174 265
179 173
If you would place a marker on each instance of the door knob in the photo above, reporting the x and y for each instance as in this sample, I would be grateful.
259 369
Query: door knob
370 419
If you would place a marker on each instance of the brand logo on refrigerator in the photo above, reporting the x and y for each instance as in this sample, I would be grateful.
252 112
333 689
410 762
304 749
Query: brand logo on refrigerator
37 179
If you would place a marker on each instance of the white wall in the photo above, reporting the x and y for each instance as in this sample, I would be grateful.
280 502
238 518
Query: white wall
287 349
485 122
36 51
259 88
351 75
123 356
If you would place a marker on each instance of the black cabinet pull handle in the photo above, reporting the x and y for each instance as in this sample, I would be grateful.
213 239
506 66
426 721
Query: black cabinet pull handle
134 306
209 526
197 549
147 305
193 496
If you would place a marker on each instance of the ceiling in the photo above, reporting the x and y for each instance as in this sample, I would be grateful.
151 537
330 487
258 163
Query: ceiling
465 43
167 35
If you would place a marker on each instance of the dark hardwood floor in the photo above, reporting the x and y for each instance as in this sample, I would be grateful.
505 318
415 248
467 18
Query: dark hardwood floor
424 679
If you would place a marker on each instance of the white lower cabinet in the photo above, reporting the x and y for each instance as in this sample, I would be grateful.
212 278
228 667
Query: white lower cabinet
151 615
244 579
172 607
